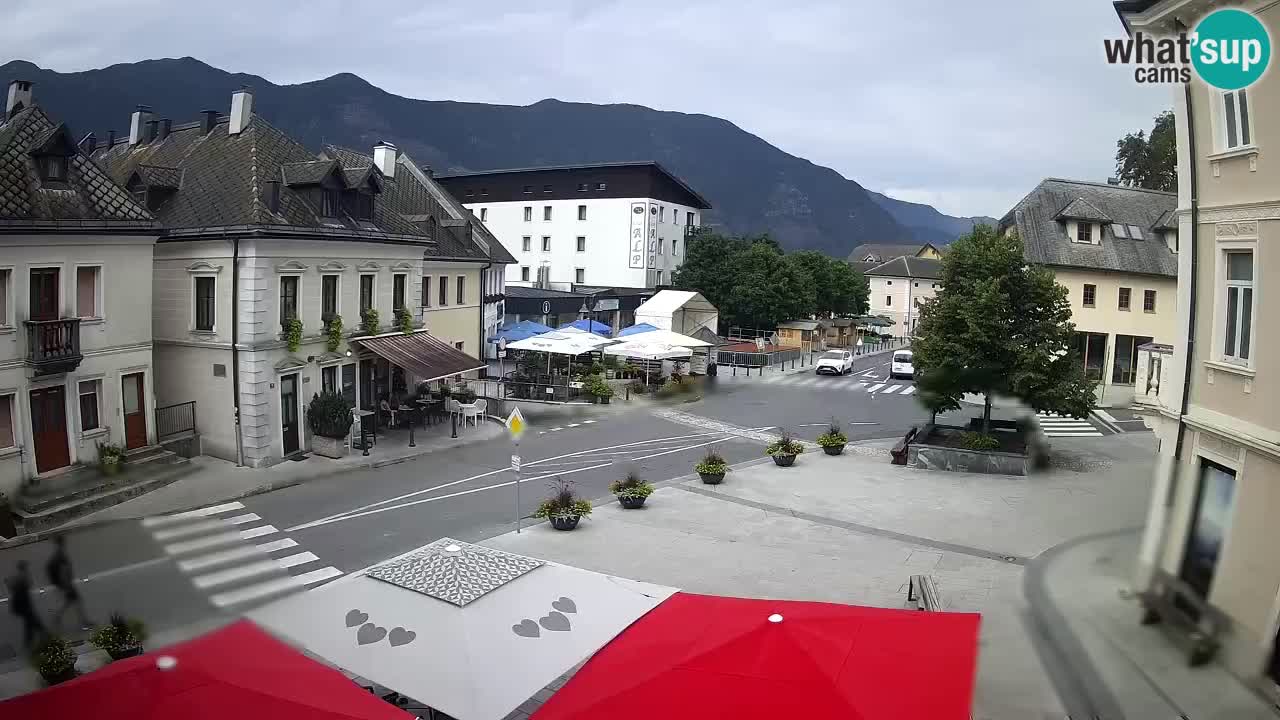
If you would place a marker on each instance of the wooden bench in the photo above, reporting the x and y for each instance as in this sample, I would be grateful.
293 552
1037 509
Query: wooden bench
899 451
1195 625
922 592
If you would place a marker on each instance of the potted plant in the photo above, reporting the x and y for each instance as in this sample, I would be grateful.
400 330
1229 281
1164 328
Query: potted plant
631 491
833 440
712 468
292 331
596 386
120 638
784 450
404 320
369 321
333 332
329 418
54 660
110 458
564 508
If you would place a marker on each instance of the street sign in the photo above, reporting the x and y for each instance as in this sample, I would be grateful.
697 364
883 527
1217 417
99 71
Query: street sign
859 342
503 353
515 423
515 463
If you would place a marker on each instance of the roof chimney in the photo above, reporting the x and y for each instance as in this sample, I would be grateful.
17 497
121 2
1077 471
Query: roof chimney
210 120
19 97
241 111
166 126
111 138
273 195
1113 181
136 121
153 130
384 156
89 143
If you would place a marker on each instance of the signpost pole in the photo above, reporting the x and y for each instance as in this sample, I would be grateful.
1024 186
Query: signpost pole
517 469
515 426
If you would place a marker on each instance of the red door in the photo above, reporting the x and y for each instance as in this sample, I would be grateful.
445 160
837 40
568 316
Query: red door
49 428
135 411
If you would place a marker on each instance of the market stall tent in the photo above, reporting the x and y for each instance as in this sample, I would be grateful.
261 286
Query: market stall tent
680 311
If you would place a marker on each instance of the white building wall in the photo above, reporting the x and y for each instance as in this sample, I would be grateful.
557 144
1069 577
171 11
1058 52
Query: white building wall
895 298
115 343
607 227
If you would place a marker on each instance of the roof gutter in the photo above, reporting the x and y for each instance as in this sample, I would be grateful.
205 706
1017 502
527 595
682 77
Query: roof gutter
235 346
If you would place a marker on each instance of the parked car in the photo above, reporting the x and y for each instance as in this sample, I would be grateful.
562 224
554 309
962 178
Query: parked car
901 366
835 362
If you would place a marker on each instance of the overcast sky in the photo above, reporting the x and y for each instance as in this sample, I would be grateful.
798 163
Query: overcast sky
963 104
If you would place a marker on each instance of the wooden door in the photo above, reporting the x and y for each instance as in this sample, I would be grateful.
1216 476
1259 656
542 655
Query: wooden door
289 413
44 294
49 428
132 396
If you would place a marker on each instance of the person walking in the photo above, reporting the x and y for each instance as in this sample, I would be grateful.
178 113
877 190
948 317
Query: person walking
20 604
63 578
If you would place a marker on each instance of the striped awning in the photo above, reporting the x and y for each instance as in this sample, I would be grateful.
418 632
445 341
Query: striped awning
420 353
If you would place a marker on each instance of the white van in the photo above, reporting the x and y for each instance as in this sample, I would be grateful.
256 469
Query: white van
901 366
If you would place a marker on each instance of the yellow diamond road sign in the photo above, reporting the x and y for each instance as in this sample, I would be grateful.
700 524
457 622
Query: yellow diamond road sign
515 423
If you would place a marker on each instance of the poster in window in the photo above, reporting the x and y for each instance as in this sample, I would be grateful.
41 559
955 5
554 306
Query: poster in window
637 237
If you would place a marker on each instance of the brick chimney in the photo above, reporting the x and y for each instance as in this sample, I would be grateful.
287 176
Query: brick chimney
19 97
241 111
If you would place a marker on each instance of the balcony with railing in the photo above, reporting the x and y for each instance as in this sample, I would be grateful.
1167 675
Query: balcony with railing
691 230
53 346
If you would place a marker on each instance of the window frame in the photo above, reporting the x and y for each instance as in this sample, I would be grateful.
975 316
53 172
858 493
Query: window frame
524 273
9 401
442 291
888 301
1089 295
1241 115
7 275
373 292
337 294
526 243
528 213
330 203
581 243
96 391
1124 299
461 290
580 275
195 303
546 243
1226 284
582 212
1084 233
546 213
1149 294
98 292
484 214
296 280
399 291
337 381
424 290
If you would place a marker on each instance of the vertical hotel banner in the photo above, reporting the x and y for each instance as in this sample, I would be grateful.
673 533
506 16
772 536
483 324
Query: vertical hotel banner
653 236
637 236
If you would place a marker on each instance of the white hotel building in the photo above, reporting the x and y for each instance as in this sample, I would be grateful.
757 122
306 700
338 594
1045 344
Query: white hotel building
605 225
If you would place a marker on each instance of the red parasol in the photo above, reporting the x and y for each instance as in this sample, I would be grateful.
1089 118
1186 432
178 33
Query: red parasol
238 672
706 657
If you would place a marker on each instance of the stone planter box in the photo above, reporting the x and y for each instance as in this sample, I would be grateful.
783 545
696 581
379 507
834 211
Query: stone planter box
994 462
329 447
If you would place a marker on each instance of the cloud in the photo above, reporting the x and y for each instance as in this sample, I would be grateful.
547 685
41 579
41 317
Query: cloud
965 105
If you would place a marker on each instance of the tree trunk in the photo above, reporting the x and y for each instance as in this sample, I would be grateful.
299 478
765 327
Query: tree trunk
986 414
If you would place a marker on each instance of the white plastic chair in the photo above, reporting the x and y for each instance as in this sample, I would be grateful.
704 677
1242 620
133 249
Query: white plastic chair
482 406
469 411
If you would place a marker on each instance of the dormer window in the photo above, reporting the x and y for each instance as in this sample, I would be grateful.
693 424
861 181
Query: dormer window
1084 232
360 205
330 203
53 168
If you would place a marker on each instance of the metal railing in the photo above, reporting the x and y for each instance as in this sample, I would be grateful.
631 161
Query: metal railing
552 388
175 420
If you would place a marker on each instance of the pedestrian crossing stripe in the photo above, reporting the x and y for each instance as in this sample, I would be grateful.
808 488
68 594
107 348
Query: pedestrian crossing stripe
847 384
224 548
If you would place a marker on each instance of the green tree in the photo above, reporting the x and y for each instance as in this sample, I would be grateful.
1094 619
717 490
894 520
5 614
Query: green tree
998 325
768 289
707 258
1150 161
841 290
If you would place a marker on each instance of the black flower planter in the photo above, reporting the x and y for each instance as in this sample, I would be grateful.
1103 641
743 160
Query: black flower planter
125 652
833 449
784 460
50 680
712 478
631 503
565 523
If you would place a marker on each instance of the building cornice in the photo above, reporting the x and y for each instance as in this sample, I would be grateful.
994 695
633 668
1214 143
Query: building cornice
1234 430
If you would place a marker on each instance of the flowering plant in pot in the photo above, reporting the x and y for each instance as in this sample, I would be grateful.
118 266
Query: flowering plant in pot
712 468
833 440
631 491
54 660
784 450
110 458
120 638
564 508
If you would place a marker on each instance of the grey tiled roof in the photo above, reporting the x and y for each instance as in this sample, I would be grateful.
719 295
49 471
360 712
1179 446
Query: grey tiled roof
88 199
160 177
883 251
224 184
910 267
418 197
309 172
1081 209
1167 221
1046 239
521 291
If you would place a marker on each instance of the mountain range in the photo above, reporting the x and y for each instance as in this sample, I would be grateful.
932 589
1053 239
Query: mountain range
753 186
